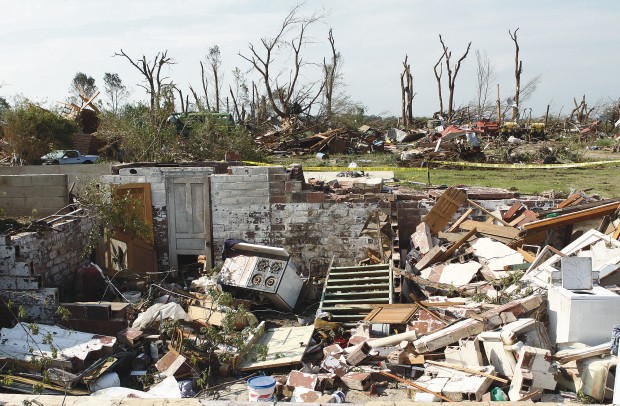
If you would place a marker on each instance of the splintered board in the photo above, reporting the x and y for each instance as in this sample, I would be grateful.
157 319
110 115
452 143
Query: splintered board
285 346
447 204
383 315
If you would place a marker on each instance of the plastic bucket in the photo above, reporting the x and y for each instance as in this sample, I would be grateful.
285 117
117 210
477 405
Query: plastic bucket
109 380
133 296
261 388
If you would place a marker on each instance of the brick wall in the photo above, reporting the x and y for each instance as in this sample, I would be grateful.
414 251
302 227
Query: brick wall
40 267
263 205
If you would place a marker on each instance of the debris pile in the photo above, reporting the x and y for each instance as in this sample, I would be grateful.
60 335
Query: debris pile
505 303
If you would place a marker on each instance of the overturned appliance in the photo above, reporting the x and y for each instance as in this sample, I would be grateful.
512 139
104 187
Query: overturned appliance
263 269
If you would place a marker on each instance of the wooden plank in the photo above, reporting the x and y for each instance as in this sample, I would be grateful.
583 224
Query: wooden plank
431 257
513 211
527 256
445 207
461 368
434 315
458 244
517 220
573 199
415 385
476 205
458 222
571 218
390 316
491 229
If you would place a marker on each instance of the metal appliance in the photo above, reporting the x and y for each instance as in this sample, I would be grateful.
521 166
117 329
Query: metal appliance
263 269
585 316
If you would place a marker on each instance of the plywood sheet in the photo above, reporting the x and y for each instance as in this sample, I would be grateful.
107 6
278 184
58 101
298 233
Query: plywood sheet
382 315
285 346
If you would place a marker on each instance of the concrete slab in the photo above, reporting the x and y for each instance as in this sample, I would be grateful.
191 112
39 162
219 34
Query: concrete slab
327 176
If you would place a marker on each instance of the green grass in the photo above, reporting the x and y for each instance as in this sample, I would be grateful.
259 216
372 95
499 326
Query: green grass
604 180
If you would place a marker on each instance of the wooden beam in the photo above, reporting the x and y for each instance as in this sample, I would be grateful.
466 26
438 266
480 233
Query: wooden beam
491 229
415 385
527 256
458 222
458 244
429 311
476 205
467 370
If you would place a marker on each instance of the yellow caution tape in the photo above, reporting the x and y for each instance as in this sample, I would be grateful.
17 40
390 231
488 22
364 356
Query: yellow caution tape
451 163
526 166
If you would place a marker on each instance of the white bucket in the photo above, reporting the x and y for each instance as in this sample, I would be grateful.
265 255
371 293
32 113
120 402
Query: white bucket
261 388
133 296
109 380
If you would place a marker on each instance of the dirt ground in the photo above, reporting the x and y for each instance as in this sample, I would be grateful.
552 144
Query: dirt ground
238 392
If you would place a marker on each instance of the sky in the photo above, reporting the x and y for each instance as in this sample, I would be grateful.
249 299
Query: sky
572 45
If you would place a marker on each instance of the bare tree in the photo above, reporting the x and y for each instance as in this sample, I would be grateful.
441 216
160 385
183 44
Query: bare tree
452 74
438 76
240 95
407 95
330 72
485 75
290 98
156 83
518 71
581 110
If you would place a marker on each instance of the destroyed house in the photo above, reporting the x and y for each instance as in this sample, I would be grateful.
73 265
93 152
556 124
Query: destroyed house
343 287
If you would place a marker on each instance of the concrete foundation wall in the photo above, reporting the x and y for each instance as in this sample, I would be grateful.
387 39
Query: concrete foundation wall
263 205
21 195
40 267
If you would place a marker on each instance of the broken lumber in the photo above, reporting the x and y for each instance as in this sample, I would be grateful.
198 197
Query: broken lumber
565 356
445 207
467 370
458 244
492 318
458 222
476 205
415 385
491 230
449 335
434 255
571 218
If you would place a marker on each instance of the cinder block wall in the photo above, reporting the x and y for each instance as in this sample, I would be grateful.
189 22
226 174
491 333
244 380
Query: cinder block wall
263 205
77 175
21 194
39 268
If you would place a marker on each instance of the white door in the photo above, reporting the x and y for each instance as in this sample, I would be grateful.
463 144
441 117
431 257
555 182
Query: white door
189 217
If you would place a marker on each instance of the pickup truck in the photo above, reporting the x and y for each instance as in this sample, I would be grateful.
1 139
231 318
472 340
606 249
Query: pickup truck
66 157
